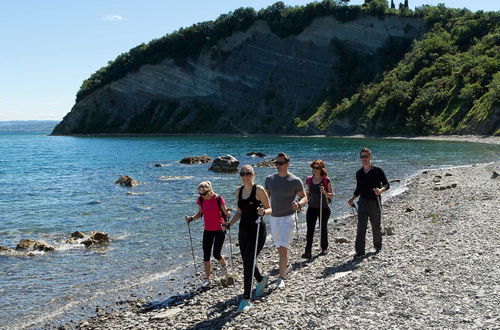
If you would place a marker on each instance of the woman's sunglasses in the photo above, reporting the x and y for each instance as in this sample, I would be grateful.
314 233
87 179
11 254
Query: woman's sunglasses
242 174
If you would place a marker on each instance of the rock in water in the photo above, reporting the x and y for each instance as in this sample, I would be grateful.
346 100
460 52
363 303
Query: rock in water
97 238
256 154
265 163
25 244
43 246
196 160
225 164
126 181
77 234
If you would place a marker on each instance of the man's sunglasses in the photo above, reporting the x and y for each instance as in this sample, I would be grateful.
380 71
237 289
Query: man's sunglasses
279 162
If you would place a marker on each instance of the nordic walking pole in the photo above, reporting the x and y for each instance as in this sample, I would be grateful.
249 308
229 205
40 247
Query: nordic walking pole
231 251
258 221
192 249
320 215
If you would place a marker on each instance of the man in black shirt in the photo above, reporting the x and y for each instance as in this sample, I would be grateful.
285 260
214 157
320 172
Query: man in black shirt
370 184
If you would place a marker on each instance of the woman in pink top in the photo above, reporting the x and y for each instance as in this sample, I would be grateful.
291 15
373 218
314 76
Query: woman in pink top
213 210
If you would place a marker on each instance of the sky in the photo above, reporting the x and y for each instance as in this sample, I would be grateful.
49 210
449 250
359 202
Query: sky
49 47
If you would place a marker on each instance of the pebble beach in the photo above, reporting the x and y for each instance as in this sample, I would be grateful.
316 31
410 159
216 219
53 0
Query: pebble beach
438 269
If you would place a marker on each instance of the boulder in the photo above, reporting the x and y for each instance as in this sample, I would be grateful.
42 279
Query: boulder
157 165
5 249
25 244
43 246
225 164
97 238
265 163
494 175
77 234
256 154
126 181
341 240
196 160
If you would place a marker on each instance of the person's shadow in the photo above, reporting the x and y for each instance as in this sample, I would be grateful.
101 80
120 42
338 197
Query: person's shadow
347 266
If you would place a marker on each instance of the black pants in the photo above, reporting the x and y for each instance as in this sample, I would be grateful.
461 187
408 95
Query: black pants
247 249
215 239
368 209
312 216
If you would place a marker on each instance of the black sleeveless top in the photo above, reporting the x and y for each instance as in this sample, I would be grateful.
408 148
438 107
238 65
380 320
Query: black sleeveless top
248 209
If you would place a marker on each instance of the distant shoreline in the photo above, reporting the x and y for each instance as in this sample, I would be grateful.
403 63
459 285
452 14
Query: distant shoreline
488 139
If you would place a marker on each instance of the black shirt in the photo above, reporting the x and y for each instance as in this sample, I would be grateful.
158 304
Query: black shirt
365 182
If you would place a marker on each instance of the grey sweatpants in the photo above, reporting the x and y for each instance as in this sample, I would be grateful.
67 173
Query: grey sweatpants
368 209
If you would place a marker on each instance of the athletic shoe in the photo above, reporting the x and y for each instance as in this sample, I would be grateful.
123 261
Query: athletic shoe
324 252
244 306
280 283
206 282
307 255
223 271
259 289
377 250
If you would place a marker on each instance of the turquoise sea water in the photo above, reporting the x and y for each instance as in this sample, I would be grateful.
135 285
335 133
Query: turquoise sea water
52 186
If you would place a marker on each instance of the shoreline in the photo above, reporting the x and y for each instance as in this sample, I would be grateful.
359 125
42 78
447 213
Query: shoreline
488 139
339 275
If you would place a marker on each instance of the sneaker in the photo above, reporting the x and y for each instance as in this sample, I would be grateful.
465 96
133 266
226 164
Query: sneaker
280 283
223 271
206 282
377 250
324 252
244 306
307 255
259 289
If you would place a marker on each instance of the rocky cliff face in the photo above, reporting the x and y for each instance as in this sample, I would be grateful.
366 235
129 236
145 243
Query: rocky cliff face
251 82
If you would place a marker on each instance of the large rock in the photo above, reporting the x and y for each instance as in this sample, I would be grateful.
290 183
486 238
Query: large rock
97 238
25 244
77 234
196 159
126 181
265 163
5 249
226 164
31 244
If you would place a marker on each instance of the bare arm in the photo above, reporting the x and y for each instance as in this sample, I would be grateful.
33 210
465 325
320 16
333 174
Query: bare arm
198 215
264 198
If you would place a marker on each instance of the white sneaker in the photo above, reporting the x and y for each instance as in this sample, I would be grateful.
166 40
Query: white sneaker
280 283
223 271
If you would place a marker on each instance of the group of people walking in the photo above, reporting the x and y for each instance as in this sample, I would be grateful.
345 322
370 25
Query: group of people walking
282 196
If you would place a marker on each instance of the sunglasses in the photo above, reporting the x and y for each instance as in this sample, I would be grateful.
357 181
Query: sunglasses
242 174
316 168
279 162
364 156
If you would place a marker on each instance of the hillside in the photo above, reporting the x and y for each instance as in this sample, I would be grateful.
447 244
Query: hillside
319 68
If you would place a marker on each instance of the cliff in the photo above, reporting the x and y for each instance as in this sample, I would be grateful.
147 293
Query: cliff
253 81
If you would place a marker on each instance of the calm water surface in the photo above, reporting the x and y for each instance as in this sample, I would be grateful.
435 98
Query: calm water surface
52 186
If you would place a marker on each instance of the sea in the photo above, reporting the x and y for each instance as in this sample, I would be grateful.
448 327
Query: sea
51 186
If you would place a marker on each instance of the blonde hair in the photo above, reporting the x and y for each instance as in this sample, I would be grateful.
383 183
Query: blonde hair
205 184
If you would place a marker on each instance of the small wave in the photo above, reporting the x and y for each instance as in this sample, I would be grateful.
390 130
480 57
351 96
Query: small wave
175 177
132 193
94 203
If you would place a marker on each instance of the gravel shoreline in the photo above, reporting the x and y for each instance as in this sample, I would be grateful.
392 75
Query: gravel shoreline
440 270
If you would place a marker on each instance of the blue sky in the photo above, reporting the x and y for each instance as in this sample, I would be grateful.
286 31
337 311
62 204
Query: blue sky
50 47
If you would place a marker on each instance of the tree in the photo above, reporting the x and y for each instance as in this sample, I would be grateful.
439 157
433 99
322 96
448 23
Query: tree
393 6
406 4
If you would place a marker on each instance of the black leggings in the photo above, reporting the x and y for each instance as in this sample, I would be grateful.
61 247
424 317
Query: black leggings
215 239
312 215
247 249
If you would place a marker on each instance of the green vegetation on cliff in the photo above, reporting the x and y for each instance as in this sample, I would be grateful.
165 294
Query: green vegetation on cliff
449 83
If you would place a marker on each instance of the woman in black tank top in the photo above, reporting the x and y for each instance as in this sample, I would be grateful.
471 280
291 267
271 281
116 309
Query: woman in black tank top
253 202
